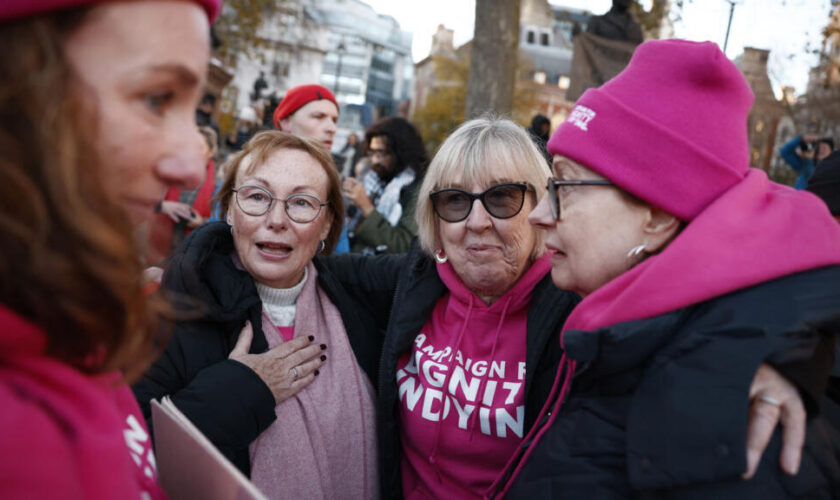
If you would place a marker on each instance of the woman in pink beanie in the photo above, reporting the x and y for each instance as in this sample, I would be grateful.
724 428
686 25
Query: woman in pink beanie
97 103
694 270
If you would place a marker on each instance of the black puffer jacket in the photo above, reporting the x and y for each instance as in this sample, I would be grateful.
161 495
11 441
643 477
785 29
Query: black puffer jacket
659 407
225 399
403 291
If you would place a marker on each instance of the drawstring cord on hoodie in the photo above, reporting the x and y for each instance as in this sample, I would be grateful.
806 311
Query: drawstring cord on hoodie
471 421
455 348
484 379
503 482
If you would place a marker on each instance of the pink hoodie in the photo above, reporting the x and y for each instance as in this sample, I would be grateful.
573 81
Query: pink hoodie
65 434
456 440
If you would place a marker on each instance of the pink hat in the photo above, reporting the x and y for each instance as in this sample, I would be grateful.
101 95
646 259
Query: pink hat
12 9
297 97
670 129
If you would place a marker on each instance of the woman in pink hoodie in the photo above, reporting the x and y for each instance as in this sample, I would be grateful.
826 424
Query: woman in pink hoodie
97 104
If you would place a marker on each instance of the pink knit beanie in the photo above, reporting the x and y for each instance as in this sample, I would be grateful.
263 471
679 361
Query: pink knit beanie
15 9
670 129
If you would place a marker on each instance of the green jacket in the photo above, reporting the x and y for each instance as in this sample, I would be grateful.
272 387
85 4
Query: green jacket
374 230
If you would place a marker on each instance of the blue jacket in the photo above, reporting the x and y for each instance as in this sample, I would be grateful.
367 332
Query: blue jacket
804 166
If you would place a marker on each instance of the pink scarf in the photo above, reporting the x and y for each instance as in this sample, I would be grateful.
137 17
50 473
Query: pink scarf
323 443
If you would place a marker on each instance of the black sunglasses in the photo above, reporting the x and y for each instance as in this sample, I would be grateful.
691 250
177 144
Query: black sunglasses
501 201
554 192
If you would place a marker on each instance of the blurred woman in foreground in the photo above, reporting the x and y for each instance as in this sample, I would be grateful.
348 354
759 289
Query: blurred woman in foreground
97 103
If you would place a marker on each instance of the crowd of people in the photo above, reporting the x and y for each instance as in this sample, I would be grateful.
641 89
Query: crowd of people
620 309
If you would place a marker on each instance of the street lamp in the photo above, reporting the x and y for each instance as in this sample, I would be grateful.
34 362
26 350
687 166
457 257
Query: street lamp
341 49
729 25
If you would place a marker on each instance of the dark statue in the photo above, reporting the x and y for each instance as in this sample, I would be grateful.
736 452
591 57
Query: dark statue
617 24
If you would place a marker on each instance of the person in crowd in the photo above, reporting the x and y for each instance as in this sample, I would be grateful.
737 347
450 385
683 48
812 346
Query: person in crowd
689 284
825 183
181 211
382 219
247 124
278 370
309 111
204 114
812 150
352 153
540 131
97 121
471 319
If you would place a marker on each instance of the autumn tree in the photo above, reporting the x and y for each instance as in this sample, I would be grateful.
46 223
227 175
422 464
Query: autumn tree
444 108
238 27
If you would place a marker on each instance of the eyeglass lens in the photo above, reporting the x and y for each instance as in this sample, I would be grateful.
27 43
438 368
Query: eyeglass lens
502 201
556 186
300 208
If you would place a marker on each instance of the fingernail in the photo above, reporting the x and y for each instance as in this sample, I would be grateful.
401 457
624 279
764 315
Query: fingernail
323 347
317 372
311 338
323 357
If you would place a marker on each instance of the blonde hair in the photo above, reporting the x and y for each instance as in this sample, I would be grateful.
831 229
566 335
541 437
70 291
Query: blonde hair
257 151
467 157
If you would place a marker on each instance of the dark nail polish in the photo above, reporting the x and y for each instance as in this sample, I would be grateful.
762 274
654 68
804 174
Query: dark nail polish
323 357
317 372
311 338
323 347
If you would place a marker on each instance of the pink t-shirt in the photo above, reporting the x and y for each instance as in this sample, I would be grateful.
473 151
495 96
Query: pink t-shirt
287 332
461 390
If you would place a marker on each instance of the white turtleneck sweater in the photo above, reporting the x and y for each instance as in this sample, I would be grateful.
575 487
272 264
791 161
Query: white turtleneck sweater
280 304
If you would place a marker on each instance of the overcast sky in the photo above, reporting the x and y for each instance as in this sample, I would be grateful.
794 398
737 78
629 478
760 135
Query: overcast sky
784 27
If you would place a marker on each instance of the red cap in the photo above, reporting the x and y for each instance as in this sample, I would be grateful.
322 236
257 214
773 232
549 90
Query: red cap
299 96
12 9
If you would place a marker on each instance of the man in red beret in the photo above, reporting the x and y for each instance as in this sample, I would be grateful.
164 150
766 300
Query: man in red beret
309 111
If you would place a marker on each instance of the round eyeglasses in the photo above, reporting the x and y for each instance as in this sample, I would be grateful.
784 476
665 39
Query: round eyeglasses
501 201
301 208
556 186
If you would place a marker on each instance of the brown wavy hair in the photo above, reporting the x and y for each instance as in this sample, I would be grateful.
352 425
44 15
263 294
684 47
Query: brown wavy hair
263 145
68 261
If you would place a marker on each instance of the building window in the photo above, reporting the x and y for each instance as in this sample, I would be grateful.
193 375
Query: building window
544 39
563 82
530 36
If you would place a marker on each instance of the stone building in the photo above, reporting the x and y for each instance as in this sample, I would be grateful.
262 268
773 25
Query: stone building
368 60
545 55
766 112
297 45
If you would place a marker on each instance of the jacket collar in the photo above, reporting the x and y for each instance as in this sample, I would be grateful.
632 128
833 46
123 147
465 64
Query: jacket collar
203 270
